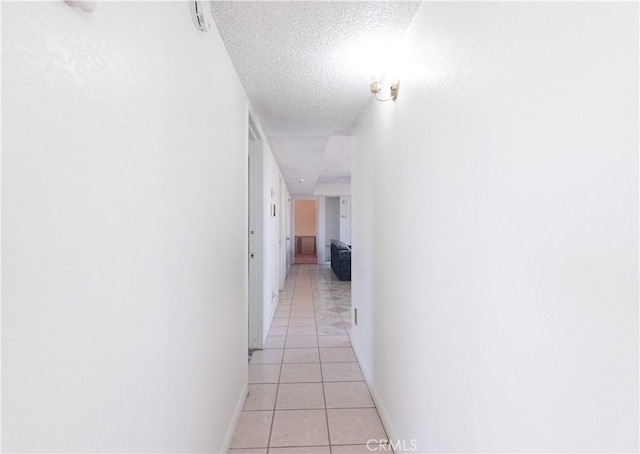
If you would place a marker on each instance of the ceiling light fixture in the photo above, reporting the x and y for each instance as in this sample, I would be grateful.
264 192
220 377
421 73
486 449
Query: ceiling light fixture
85 5
202 16
376 88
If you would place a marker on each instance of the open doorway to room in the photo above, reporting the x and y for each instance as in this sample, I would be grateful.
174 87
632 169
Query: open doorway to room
306 231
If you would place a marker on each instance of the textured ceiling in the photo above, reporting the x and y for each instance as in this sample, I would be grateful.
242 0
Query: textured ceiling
306 67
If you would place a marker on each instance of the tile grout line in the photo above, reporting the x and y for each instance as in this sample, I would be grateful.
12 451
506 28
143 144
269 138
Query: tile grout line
275 402
357 362
317 287
331 292
324 395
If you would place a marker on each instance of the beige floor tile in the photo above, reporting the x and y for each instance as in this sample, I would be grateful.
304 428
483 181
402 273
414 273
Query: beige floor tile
261 397
355 426
277 331
347 395
337 355
280 322
264 373
328 330
328 318
299 428
341 372
301 331
302 314
275 342
281 314
334 341
300 396
248 451
301 373
269 356
299 450
373 446
301 355
304 321
253 430
302 342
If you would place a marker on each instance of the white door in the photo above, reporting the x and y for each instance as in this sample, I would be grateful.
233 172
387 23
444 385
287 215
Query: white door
255 239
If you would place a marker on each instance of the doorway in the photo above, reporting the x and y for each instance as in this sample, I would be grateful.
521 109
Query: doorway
255 235
306 231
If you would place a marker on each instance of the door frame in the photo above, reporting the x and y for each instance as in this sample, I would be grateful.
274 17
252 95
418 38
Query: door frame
255 237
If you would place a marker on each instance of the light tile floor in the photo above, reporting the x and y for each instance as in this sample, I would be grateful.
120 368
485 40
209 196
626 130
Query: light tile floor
306 390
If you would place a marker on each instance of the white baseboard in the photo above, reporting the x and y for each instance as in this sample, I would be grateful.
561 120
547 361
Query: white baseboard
392 435
384 417
234 421
274 306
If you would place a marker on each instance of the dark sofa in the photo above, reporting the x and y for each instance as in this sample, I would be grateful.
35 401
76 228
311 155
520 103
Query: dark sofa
341 260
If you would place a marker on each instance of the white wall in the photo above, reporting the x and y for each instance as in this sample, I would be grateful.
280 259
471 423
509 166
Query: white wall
289 231
272 234
322 227
258 211
124 252
332 189
332 223
283 219
495 219
345 219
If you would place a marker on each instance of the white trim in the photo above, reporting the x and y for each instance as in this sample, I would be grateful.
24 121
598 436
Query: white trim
228 439
255 297
384 416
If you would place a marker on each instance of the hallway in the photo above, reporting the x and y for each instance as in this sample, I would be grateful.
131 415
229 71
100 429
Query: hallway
306 391
493 209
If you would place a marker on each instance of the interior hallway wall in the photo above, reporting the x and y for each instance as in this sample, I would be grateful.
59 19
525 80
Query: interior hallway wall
345 219
495 224
283 216
124 186
272 236
332 223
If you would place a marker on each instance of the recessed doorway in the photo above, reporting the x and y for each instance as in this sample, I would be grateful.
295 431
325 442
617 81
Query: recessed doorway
306 232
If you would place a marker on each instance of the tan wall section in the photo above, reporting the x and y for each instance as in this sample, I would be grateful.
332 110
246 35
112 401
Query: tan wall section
306 218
